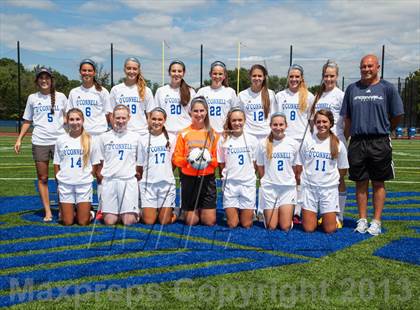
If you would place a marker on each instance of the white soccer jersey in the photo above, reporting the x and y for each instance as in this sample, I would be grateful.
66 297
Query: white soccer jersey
332 101
129 96
319 169
179 117
47 126
220 101
156 158
68 154
95 106
250 102
288 103
119 153
279 169
238 155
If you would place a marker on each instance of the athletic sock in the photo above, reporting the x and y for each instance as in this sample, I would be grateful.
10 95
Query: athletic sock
342 197
298 206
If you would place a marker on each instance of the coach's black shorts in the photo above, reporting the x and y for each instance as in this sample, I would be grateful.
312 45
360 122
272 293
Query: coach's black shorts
370 158
198 192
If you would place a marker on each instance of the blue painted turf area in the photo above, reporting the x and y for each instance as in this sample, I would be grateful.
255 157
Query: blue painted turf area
404 250
177 249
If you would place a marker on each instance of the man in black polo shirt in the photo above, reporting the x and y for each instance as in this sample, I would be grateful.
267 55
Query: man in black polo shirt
372 108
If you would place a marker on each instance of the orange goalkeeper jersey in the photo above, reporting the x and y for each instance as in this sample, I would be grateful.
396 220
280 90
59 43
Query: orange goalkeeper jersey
190 138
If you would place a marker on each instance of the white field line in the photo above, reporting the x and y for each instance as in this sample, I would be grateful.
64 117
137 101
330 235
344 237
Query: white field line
33 179
406 154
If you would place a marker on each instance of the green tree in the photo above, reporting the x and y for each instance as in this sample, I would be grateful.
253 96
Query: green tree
314 89
9 105
411 98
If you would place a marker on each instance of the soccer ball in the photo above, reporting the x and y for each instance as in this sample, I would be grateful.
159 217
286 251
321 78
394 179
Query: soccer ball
199 158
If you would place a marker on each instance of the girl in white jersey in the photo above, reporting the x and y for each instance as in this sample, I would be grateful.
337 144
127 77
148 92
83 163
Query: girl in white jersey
330 97
134 93
92 99
258 102
236 156
296 102
276 163
45 111
219 96
175 98
154 169
323 158
117 171
74 157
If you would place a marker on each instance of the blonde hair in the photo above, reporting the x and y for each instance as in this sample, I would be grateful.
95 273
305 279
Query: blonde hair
85 139
303 89
210 131
227 126
328 64
141 83
270 138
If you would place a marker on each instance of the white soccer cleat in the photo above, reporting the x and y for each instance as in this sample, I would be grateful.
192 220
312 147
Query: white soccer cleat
374 228
362 226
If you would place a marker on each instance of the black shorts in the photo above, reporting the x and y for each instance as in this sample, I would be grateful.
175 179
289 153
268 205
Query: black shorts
198 192
370 158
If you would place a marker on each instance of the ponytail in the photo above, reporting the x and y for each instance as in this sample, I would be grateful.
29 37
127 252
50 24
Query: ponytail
334 144
265 98
98 86
184 93
85 141
317 97
52 95
141 86
303 96
269 147
168 143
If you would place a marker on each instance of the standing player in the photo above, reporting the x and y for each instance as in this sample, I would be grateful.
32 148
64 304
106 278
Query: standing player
296 102
134 93
236 157
154 168
73 159
45 111
117 171
330 97
92 99
323 158
198 187
276 164
219 96
258 102
372 109
175 98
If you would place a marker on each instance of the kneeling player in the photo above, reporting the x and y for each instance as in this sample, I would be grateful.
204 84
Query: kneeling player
154 168
276 161
120 194
74 156
236 157
195 155
323 158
